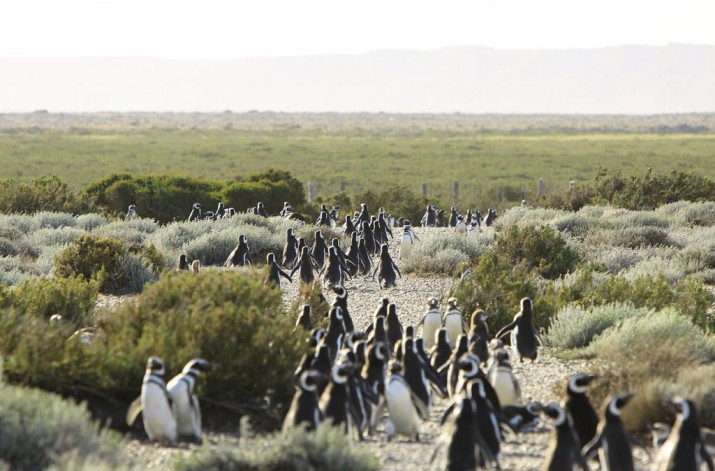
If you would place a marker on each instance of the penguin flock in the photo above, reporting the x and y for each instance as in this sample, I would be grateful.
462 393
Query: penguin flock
468 224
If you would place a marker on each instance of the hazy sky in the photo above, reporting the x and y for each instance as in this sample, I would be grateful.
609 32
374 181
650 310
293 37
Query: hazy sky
213 29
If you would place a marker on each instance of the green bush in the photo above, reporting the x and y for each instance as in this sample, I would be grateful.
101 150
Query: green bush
445 252
40 194
326 449
40 429
541 249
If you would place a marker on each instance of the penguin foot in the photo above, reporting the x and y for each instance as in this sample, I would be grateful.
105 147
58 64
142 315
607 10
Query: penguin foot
417 437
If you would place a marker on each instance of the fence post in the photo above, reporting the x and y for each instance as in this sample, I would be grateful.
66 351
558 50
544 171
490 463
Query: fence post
424 189
311 192
342 187
541 187
455 189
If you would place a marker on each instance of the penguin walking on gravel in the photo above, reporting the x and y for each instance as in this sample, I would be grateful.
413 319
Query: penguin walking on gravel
387 269
335 336
239 256
523 332
453 322
334 272
403 417
579 408
451 369
319 250
612 441
479 335
290 249
304 320
487 422
341 300
564 452
335 401
305 265
504 381
348 226
364 260
186 404
684 449
407 240
274 271
441 352
414 374
374 371
364 215
394 326
431 323
304 408
155 405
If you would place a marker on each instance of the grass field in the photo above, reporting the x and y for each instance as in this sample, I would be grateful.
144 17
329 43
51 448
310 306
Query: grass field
341 149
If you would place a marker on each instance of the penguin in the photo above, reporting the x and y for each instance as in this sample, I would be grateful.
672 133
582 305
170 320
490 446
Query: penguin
451 368
283 212
523 333
479 335
131 212
186 404
403 417
684 449
274 271
155 404
394 327
522 418
373 372
468 219
487 422
364 261
348 226
460 227
335 336
334 215
335 400
304 408
430 217
334 271
341 299
491 217
478 217
195 266
440 218
384 226
407 240
360 395
364 215
230 212
195 214
387 269
452 217
305 265
260 210
436 380
335 243
472 229
579 408
453 322
323 218
564 452
290 249
220 211
431 322
661 432
319 250
611 440
414 374
304 320
352 258
322 363
440 352
239 256
379 332
183 263
369 237
504 381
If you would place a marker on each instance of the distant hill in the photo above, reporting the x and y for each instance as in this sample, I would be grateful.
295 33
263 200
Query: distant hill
627 79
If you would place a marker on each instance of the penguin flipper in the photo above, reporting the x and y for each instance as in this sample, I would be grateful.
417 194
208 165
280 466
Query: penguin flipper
505 330
134 410
590 448
447 413
635 442
705 456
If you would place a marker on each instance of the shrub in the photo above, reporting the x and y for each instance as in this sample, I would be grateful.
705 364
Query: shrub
326 449
445 252
40 194
91 221
541 249
214 247
572 199
40 428
630 237
54 220
699 214
55 236
7 248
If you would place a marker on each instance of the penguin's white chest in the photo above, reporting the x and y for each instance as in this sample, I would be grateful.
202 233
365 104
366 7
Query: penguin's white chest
461 228
405 246
188 418
432 323
157 413
453 325
403 414
505 386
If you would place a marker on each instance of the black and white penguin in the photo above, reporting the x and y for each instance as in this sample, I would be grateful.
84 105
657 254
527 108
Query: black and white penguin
334 216
404 418
341 299
414 374
155 405
284 212
322 362
334 272
239 256
564 452
384 226
183 263
290 249
684 449
195 214
364 215
305 265
431 323
131 212
523 332
441 352
387 269
491 217
461 438
209 216
352 257
472 229
468 219
274 271
369 237
196 266
319 250
374 372
304 409
335 400
323 218
407 241
478 217
440 222
578 406
220 211
364 260
394 326
479 335
523 418
612 441
487 422
502 378
260 210
304 320
453 322
334 337
436 380
461 226
379 332
450 370
360 395
186 405
348 226
430 217
452 217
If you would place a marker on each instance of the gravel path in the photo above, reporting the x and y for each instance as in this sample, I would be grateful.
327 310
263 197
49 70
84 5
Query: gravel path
538 382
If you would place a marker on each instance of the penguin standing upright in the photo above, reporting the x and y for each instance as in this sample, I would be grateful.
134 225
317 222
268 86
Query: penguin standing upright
578 406
453 322
239 256
274 271
373 372
304 409
684 449
364 261
407 240
452 217
290 249
335 400
260 210
155 405
334 272
348 227
523 333
431 323
479 335
220 211
611 440
403 416
369 237
461 437
305 265
341 299
441 352
460 227
304 319
319 250
334 337
195 214
487 422
394 327
352 257
564 451
451 369
186 404
183 263
131 212
364 215
504 381
388 270
430 217
414 374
